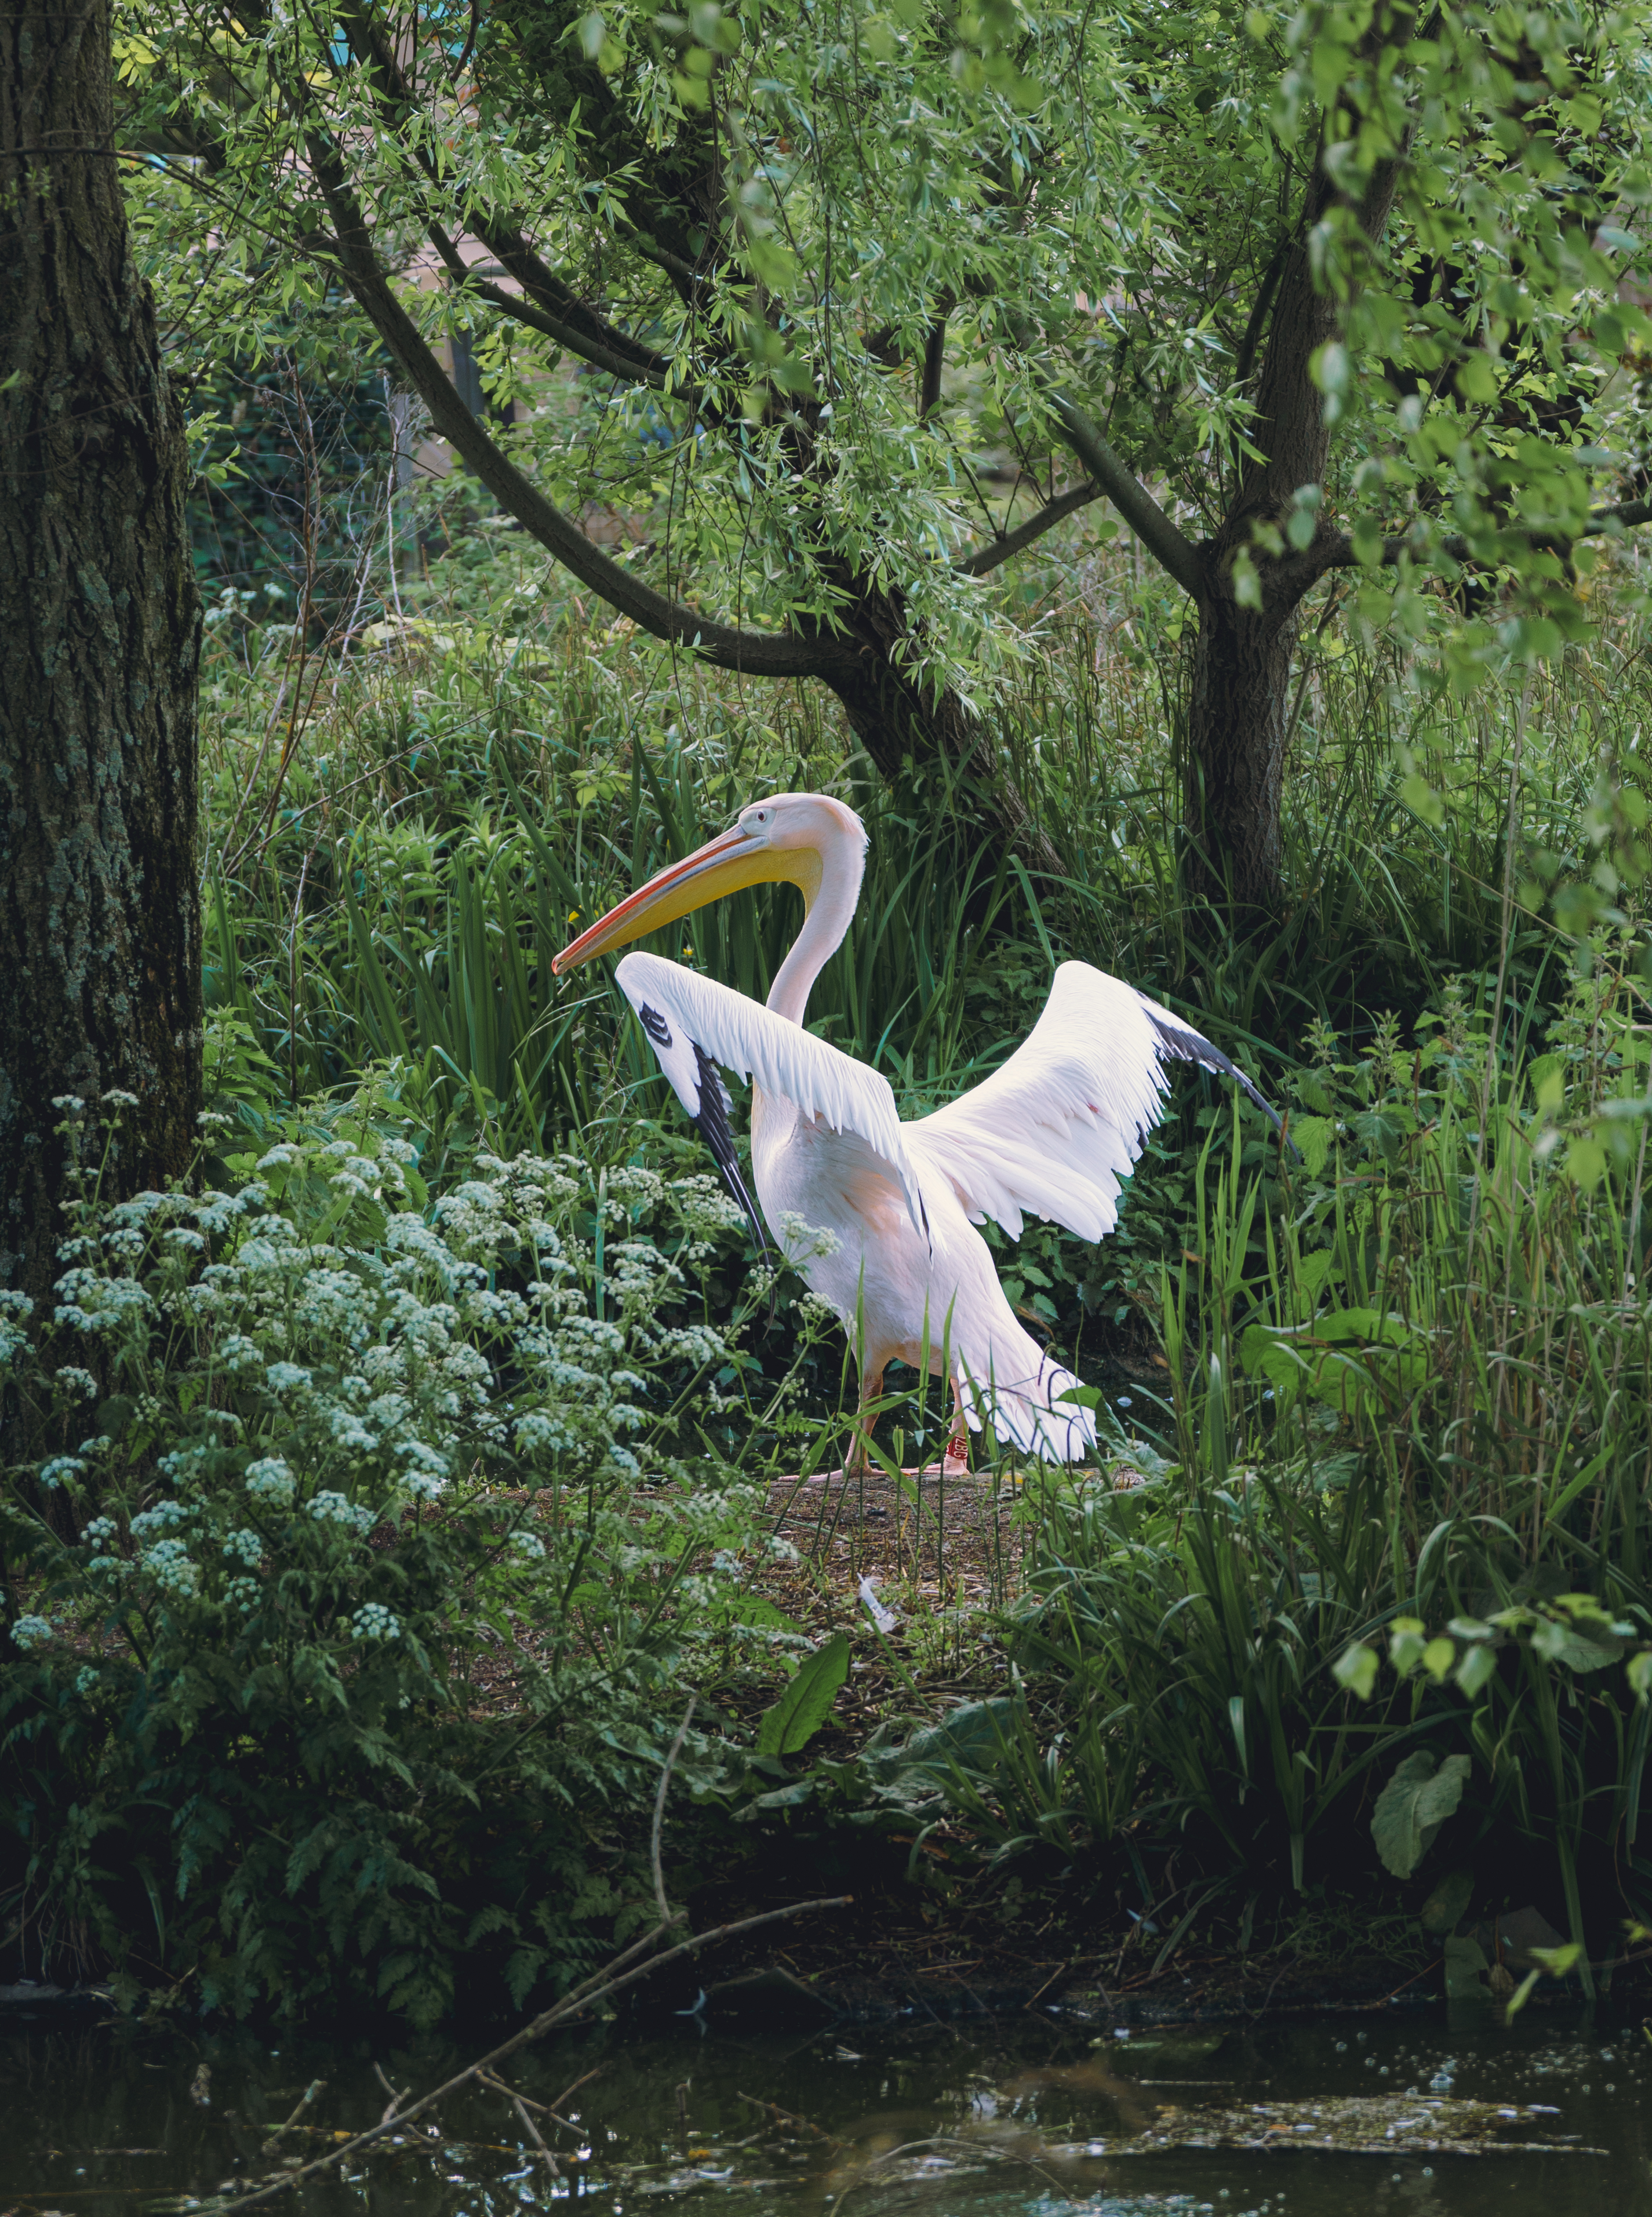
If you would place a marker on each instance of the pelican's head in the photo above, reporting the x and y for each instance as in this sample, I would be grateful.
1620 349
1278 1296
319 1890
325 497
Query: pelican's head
804 839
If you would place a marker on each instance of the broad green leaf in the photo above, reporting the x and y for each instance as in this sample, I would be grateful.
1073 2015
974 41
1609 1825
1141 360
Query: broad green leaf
1477 1667
1356 1669
1413 1805
794 1719
1444 1907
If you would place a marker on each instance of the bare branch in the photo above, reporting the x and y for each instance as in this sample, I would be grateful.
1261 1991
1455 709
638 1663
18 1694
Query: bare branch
666 1915
1161 538
760 654
529 2126
1245 362
315 2087
1011 543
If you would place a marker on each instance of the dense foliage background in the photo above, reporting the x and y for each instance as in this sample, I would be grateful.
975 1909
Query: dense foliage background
386 1496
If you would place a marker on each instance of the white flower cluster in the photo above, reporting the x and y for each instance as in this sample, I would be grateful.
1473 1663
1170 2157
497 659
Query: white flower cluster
164 1516
270 1479
32 1631
330 1508
16 1309
316 1354
171 1565
374 1621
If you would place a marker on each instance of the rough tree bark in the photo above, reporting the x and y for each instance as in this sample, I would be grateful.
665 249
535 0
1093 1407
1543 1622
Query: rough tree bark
100 641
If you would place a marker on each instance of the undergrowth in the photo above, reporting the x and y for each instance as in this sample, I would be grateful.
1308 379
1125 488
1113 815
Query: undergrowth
387 1496
387 1531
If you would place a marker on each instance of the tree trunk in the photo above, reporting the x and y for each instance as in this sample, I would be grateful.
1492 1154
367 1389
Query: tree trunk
100 643
1242 668
1237 715
902 726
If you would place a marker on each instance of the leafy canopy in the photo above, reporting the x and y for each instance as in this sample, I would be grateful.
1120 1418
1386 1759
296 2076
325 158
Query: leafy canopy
718 258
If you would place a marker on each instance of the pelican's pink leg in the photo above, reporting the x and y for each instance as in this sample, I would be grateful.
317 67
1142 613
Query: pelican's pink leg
860 1459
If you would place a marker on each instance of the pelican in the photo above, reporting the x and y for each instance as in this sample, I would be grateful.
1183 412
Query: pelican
879 1217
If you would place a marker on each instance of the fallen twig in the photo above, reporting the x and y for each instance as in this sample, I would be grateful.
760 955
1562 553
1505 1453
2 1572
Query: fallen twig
389 2116
786 2117
551 2109
602 1983
309 2095
527 2124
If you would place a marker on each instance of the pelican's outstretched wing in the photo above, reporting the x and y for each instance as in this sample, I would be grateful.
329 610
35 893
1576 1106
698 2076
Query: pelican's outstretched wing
695 1024
1058 1128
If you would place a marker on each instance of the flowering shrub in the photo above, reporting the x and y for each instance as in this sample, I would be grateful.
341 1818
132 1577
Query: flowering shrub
357 1553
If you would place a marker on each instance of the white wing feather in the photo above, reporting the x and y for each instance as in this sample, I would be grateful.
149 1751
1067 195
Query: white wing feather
1058 1128
791 1064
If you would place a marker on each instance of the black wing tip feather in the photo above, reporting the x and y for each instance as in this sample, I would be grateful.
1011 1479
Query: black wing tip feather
712 1124
1183 1044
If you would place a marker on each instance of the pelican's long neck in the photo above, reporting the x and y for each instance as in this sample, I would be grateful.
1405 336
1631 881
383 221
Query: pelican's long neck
828 910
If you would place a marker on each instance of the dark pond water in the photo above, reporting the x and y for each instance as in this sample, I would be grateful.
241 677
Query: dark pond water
1032 2116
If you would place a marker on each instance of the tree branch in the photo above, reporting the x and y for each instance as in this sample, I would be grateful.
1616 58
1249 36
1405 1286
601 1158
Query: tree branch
1173 552
1009 544
572 340
760 654
1336 550
1626 512
1246 360
554 299
929 382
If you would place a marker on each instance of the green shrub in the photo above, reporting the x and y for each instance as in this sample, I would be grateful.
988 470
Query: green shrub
362 1574
1410 1386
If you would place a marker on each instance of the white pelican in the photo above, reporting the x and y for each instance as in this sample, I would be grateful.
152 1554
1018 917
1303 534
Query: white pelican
1052 1133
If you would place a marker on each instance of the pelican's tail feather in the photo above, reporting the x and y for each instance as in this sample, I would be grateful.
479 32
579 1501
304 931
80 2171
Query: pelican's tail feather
1027 1410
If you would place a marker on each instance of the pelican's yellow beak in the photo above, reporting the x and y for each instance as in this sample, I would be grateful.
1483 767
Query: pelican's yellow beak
722 866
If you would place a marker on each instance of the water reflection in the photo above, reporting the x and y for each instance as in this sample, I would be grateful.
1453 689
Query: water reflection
1029 2116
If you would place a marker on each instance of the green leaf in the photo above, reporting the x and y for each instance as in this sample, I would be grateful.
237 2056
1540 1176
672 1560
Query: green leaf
1444 1907
1413 1805
1420 798
1557 1643
1476 379
1356 1669
794 1719
1247 586
1478 1666
1555 1961
1314 1135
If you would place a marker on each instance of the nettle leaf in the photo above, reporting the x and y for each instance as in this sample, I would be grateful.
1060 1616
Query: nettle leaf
1314 1135
792 1722
1413 1805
